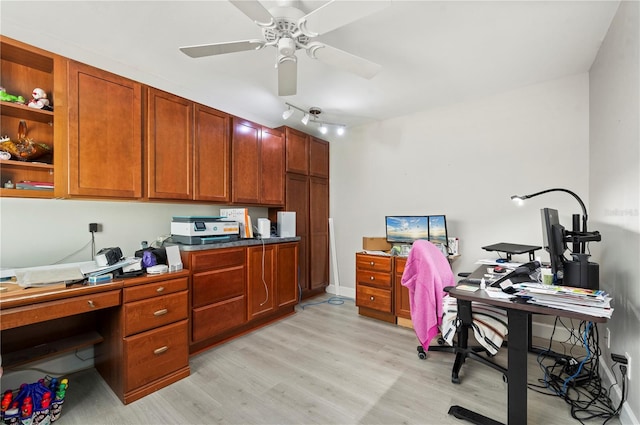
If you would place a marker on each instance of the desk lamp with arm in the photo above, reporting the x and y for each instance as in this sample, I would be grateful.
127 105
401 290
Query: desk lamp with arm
580 271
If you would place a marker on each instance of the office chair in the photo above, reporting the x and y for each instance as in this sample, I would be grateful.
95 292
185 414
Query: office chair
428 276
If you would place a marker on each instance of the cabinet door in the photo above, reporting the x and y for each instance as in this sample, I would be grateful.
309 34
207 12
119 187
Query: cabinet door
318 158
297 151
402 305
287 277
261 269
245 157
169 146
319 232
211 155
272 167
105 134
297 200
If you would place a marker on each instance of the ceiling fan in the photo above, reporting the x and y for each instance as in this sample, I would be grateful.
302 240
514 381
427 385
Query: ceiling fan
289 29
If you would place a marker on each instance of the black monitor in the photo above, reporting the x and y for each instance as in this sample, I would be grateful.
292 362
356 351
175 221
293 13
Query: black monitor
553 240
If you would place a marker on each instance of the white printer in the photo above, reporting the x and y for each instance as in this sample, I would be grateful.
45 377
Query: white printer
197 230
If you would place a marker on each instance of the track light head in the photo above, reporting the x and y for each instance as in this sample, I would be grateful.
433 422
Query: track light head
305 119
287 114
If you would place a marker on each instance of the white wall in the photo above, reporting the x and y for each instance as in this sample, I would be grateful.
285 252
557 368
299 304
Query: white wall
465 161
615 186
35 232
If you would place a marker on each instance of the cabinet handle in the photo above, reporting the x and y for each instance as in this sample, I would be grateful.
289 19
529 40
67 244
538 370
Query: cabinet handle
91 304
161 312
372 278
372 298
160 350
160 289
372 263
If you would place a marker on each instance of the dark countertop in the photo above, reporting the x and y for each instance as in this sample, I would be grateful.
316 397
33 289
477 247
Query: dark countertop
239 242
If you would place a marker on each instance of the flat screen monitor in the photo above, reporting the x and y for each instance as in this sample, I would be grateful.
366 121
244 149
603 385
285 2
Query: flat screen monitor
553 240
406 229
438 230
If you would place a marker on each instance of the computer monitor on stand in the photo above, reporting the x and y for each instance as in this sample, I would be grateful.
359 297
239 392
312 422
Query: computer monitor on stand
579 271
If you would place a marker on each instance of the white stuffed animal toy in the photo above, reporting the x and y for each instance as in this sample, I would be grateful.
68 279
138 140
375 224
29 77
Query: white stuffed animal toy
39 100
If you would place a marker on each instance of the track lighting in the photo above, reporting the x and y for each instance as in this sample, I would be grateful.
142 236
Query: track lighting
287 114
311 115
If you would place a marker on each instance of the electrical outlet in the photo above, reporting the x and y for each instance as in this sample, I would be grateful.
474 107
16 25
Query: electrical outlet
628 365
608 337
94 227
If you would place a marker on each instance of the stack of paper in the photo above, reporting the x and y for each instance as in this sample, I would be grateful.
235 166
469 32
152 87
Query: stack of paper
241 215
589 301
31 185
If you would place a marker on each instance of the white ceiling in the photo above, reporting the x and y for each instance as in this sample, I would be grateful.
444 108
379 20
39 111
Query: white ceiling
432 53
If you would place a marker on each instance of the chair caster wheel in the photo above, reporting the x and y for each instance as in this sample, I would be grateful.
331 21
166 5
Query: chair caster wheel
421 353
441 341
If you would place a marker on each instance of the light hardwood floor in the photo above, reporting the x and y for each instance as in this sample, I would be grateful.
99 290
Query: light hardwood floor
323 365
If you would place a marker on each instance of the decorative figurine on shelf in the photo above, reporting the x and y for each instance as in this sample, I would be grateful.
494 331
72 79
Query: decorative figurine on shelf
24 149
6 97
39 100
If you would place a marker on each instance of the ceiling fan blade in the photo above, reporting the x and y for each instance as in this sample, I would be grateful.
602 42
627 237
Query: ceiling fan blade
287 76
343 60
336 14
255 11
221 48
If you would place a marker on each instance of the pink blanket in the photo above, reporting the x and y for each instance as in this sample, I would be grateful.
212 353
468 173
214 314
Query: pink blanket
425 275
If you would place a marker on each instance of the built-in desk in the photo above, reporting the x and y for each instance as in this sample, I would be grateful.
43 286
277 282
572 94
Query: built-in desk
138 326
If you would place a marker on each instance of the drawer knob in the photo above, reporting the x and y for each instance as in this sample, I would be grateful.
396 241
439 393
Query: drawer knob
372 278
372 298
160 350
160 289
372 263
91 304
161 312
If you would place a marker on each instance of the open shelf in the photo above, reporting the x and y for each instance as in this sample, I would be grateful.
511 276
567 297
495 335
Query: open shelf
24 112
27 355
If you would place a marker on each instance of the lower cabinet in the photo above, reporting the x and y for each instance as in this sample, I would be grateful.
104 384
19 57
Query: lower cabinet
374 295
147 345
234 290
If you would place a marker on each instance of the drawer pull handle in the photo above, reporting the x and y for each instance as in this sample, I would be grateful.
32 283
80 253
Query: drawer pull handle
372 278
372 263
372 298
160 289
91 304
160 350
161 312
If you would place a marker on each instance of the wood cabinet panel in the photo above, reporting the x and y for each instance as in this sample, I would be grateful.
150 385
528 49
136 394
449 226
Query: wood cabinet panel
105 134
245 157
261 269
318 157
154 354
217 285
272 167
374 263
297 151
373 278
169 146
211 320
374 298
155 289
154 312
297 200
212 150
402 305
216 259
319 232
287 275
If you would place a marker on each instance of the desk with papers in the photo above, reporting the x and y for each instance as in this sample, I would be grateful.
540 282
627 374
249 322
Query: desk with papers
519 310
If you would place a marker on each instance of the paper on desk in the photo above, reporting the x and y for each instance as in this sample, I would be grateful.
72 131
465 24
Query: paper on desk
46 276
498 294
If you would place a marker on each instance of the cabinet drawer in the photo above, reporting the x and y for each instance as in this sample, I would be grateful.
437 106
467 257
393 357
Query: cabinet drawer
148 314
374 298
373 278
212 320
218 259
42 312
373 262
153 354
155 289
217 285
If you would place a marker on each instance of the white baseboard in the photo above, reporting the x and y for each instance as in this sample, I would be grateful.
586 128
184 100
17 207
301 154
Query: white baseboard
342 291
627 417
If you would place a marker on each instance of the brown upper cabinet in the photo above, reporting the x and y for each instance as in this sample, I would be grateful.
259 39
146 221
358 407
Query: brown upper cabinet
297 148
318 158
105 134
257 155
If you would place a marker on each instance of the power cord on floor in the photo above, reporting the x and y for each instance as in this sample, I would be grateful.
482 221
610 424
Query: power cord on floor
576 378
333 301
